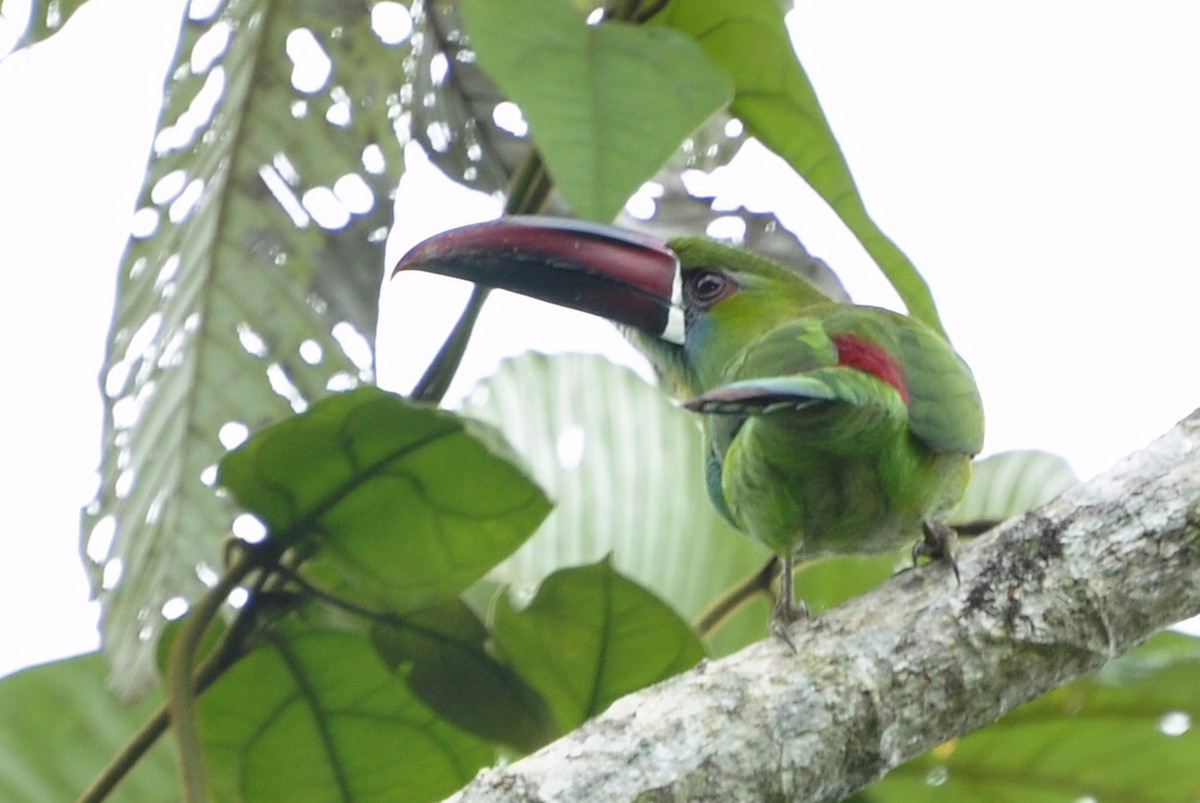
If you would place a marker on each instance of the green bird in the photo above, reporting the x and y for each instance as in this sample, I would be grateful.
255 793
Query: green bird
831 428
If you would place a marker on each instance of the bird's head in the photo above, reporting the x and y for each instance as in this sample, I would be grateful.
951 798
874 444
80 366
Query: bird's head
689 303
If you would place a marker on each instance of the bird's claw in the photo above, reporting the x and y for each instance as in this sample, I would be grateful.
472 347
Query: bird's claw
786 613
938 544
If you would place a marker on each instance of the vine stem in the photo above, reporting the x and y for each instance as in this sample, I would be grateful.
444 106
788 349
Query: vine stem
528 190
211 668
181 690
735 597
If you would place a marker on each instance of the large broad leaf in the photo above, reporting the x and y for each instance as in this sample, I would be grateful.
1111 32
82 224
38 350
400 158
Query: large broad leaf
591 636
370 487
776 101
626 468
623 97
317 717
1128 733
259 238
60 726
1009 483
442 654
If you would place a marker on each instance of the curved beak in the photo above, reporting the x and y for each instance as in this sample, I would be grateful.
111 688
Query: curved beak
620 275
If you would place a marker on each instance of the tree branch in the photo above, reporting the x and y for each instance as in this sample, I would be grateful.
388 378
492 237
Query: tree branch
1045 598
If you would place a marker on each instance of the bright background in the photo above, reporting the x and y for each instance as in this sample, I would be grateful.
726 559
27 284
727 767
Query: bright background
1038 161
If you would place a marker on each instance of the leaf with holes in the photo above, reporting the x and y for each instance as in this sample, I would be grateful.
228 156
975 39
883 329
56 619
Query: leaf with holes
677 212
318 716
624 97
249 289
46 18
591 636
1128 732
453 106
395 505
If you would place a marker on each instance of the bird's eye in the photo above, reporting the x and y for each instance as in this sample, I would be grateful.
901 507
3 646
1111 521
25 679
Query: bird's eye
707 287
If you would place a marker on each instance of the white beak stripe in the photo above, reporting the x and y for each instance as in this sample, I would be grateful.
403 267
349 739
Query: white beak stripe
674 332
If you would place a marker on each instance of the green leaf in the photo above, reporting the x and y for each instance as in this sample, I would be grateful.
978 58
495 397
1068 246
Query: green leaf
47 17
442 656
591 636
1010 483
372 485
61 725
776 101
230 291
318 717
623 97
626 468
1127 733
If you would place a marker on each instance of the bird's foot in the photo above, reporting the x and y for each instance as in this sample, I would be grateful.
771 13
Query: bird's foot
938 544
786 613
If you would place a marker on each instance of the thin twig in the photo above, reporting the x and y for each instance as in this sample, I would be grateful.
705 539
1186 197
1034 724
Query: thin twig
734 598
181 690
212 667
528 191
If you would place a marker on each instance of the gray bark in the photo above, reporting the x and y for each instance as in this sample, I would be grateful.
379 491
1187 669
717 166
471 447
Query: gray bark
1044 598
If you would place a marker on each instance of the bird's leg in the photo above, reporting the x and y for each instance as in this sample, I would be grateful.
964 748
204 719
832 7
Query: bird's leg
938 544
786 611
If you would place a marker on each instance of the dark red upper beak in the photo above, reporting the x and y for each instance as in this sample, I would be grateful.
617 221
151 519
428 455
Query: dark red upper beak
626 277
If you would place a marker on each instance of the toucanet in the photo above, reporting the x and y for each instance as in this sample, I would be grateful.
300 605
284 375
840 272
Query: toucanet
831 428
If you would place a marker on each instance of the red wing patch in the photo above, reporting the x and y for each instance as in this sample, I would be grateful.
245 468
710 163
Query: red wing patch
871 358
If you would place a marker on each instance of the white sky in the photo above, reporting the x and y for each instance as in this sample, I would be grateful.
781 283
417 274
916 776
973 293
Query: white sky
1038 161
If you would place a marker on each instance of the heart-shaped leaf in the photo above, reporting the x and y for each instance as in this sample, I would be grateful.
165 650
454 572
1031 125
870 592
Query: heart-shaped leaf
318 716
442 655
371 487
607 104
591 636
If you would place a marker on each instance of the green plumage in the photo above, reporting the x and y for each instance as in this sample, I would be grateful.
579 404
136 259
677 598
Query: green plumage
810 455
831 428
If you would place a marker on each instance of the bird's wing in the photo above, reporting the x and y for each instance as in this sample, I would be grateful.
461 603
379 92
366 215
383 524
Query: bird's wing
944 409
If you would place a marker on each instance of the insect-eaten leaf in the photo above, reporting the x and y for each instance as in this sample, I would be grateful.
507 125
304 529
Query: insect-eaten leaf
591 636
319 716
392 504
442 654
